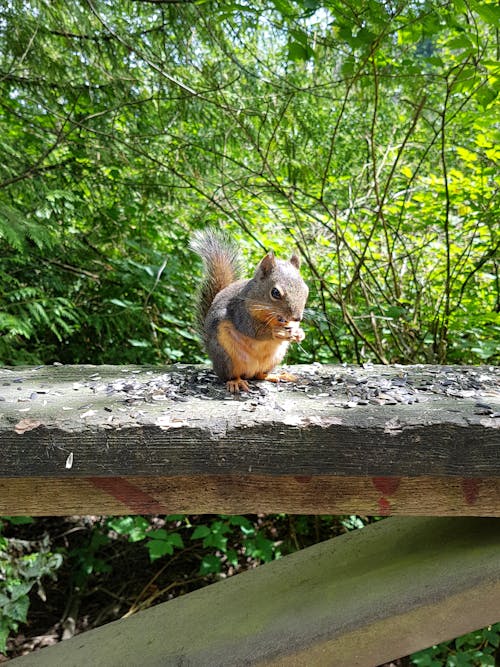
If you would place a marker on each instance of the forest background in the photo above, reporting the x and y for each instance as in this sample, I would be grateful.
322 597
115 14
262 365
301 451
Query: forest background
364 133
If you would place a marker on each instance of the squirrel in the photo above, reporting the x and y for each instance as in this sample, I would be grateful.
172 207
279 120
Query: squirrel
247 325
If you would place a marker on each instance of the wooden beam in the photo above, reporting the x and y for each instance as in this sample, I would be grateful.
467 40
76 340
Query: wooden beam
355 601
377 440
226 494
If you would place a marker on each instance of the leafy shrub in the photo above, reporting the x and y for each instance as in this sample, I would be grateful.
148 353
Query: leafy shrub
475 649
23 565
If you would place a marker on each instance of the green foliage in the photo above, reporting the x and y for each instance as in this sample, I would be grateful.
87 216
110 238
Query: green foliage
223 540
162 543
364 133
475 649
22 565
159 542
133 527
224 544
219 537
86 559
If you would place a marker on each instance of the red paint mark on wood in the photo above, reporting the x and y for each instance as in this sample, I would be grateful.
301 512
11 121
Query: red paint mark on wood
386 485
134 498
303 479
470 488
384 506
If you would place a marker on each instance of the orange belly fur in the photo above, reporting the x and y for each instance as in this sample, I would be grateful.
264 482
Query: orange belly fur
249 357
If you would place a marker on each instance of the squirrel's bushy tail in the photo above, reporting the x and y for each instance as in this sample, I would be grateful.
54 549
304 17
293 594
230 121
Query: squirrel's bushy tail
222 264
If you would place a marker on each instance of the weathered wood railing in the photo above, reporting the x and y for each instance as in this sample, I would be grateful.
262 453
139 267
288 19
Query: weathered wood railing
416 440
378 440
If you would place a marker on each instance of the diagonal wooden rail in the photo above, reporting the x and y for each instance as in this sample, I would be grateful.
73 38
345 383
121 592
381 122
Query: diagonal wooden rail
355 601
129 440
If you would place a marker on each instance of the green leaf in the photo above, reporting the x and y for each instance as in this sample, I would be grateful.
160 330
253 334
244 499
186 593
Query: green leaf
121 524
210 564
176 540
488 11
365 36
121 303
284 7
200 531
348 67
216 540
19 520
241 521
466 155
300 36
137 534
139 343
18 609
135 527
460 42
159 534
19 589
492 635
159 548
5 628
486 95
232 557
260 547
297 51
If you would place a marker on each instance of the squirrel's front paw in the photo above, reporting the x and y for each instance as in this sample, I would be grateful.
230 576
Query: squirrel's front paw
289 333
298 335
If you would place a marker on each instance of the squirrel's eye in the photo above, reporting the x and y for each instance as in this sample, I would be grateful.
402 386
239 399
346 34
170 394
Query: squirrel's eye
275 293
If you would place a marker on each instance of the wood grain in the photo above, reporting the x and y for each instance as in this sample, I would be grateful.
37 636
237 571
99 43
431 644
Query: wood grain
233 494
377 440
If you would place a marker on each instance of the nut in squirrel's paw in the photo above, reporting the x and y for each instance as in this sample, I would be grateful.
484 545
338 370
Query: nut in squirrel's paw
289 331
247 325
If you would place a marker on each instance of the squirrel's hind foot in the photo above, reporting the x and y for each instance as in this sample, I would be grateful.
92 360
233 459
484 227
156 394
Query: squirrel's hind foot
237 385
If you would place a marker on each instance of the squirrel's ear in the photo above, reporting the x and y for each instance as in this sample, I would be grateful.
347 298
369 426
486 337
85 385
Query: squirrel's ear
267 263
295 260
